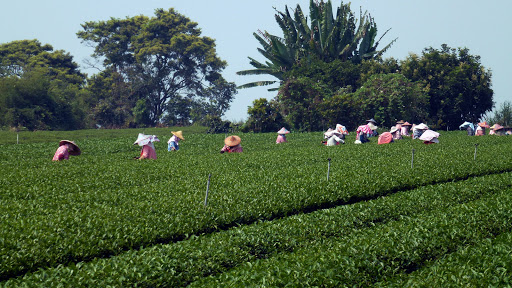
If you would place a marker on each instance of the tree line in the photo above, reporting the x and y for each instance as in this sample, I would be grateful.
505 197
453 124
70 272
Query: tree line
327 68
153 70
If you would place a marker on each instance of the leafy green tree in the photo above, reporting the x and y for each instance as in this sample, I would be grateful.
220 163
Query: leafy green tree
502 115
459 87
340 108
160 58
300 100
113 99
326 38
390 97
40 88
264 116
141 113
33 102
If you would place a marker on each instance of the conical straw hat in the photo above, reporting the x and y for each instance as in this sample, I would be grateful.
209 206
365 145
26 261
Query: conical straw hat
283 131
232 140
75 151
178 134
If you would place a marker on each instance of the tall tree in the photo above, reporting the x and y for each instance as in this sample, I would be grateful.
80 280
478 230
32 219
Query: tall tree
161 58
459 87
390 97
501 115
264 116
40 88
326 38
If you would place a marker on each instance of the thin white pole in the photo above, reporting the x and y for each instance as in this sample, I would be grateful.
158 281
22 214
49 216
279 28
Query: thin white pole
207 188
412 159
328 168
17 138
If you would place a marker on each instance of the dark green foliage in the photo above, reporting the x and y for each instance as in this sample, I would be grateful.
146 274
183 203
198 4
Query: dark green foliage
215 124
39 88
300 100
162 60
458 86
389 98
327 37
264 116
502 115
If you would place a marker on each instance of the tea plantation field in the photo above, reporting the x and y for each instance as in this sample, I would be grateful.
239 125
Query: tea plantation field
384 218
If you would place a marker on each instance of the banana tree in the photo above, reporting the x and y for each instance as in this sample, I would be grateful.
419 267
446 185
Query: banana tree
329 38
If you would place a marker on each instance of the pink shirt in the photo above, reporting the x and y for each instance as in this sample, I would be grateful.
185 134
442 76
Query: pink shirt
148 152
234 149
280 138
62 153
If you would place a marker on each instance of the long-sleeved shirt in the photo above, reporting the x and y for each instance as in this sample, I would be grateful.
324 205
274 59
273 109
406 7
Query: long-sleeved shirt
148 152
404 130
281 138
334 140
174 138
62 153
232 149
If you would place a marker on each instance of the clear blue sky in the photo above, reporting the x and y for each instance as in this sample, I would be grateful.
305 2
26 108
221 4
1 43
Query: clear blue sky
481 26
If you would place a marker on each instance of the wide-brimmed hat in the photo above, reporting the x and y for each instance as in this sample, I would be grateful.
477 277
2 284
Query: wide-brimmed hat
407 124
178 134
372 120
421 126
393 129
342 129
232 140
283 131
143 139
497 127
75 150
483 124
385 138
373 127
328 133
400 122
429 135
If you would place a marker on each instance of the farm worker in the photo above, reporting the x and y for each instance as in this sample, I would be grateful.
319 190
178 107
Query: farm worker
405 129
327 135
418 130
334 138
172 144
148 148
65 149
362 133
232 145
470 128
480 130
373 126
386 138
498 130
342 130
491 131
281 137
395 133
429 137
399 124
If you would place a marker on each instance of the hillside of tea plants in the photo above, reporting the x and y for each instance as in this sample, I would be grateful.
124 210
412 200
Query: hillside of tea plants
300 214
